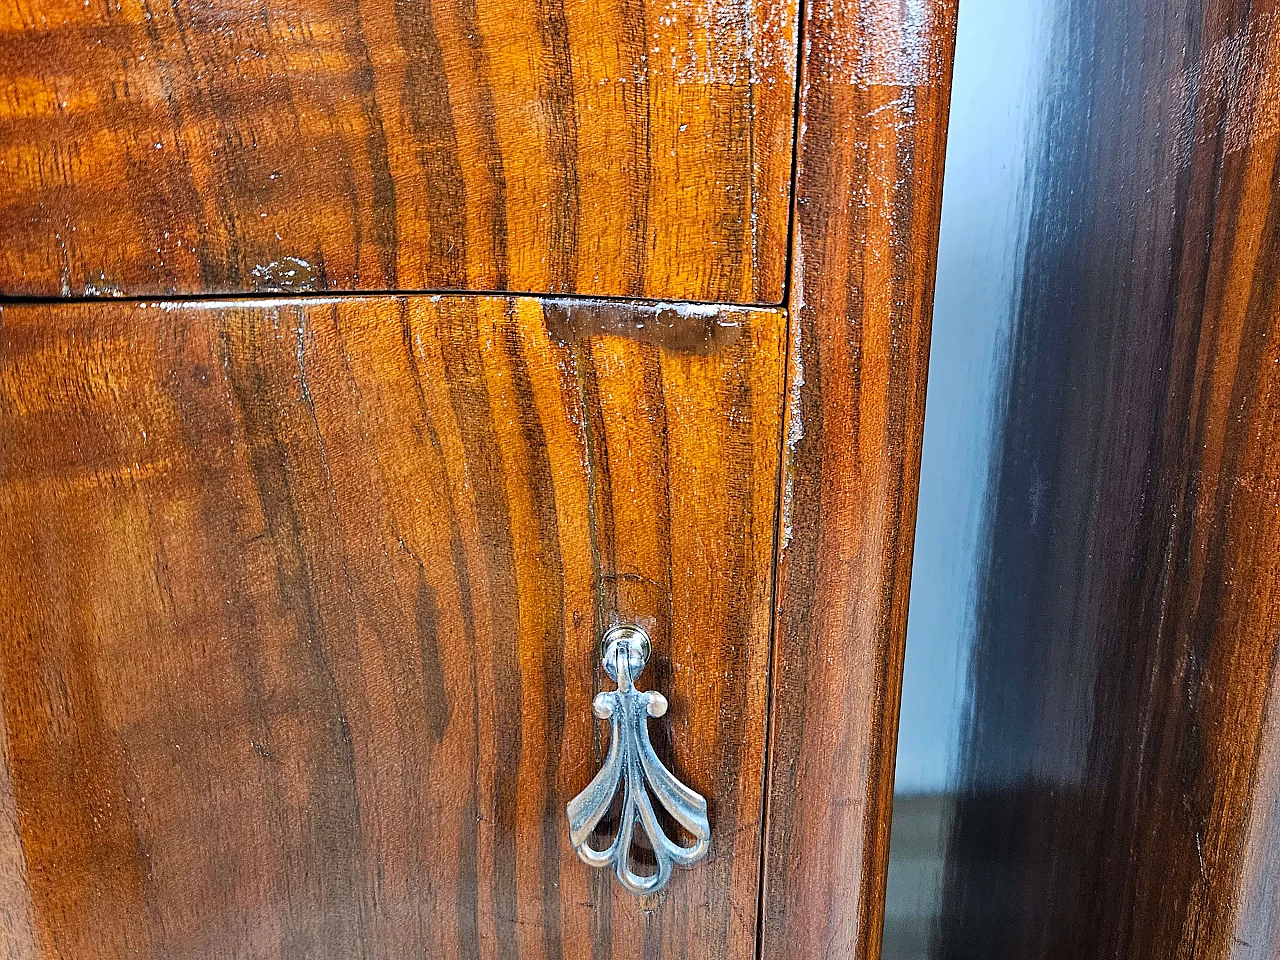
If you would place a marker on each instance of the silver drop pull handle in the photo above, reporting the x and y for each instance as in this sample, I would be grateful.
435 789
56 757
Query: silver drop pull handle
632 763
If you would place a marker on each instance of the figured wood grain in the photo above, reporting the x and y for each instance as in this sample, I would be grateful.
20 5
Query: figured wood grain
620 147
875 80
1118 783
299 611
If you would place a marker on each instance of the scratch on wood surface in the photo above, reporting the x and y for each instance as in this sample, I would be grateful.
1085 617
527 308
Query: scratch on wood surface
679 327
1232 90
895 43
795 415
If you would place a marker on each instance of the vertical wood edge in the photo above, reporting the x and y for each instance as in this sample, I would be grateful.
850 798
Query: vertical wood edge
874 86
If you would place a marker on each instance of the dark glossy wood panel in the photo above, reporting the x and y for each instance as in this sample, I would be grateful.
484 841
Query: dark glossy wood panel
620 147
1117 791
875 79
299 608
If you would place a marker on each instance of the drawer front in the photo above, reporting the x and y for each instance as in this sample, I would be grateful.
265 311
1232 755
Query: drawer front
300 606
634 148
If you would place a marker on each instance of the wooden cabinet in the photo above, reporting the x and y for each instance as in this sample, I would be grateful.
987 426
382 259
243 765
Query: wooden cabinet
301 596
301 610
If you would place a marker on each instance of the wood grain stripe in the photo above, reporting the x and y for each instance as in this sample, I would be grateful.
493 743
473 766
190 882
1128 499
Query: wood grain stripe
430 111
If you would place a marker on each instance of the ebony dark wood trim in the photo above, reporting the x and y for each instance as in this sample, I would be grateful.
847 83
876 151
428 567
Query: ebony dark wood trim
1117 788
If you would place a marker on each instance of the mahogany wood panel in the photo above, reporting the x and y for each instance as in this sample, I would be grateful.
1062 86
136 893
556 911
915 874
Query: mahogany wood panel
1119 791
620 147
299 610
874 92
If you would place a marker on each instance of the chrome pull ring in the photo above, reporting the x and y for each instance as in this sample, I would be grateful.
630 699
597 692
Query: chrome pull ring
631 762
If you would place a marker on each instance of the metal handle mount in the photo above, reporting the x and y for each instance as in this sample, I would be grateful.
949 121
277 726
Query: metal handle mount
631 762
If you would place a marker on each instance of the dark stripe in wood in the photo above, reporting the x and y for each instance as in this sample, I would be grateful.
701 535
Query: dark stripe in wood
473 409
557 76
491 151
427 103
541 486
437 696
467 883
268 381
636 46
382 208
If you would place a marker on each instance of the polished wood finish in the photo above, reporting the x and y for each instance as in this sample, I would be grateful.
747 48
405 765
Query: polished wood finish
299 609
619 147
874 81
1118 788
